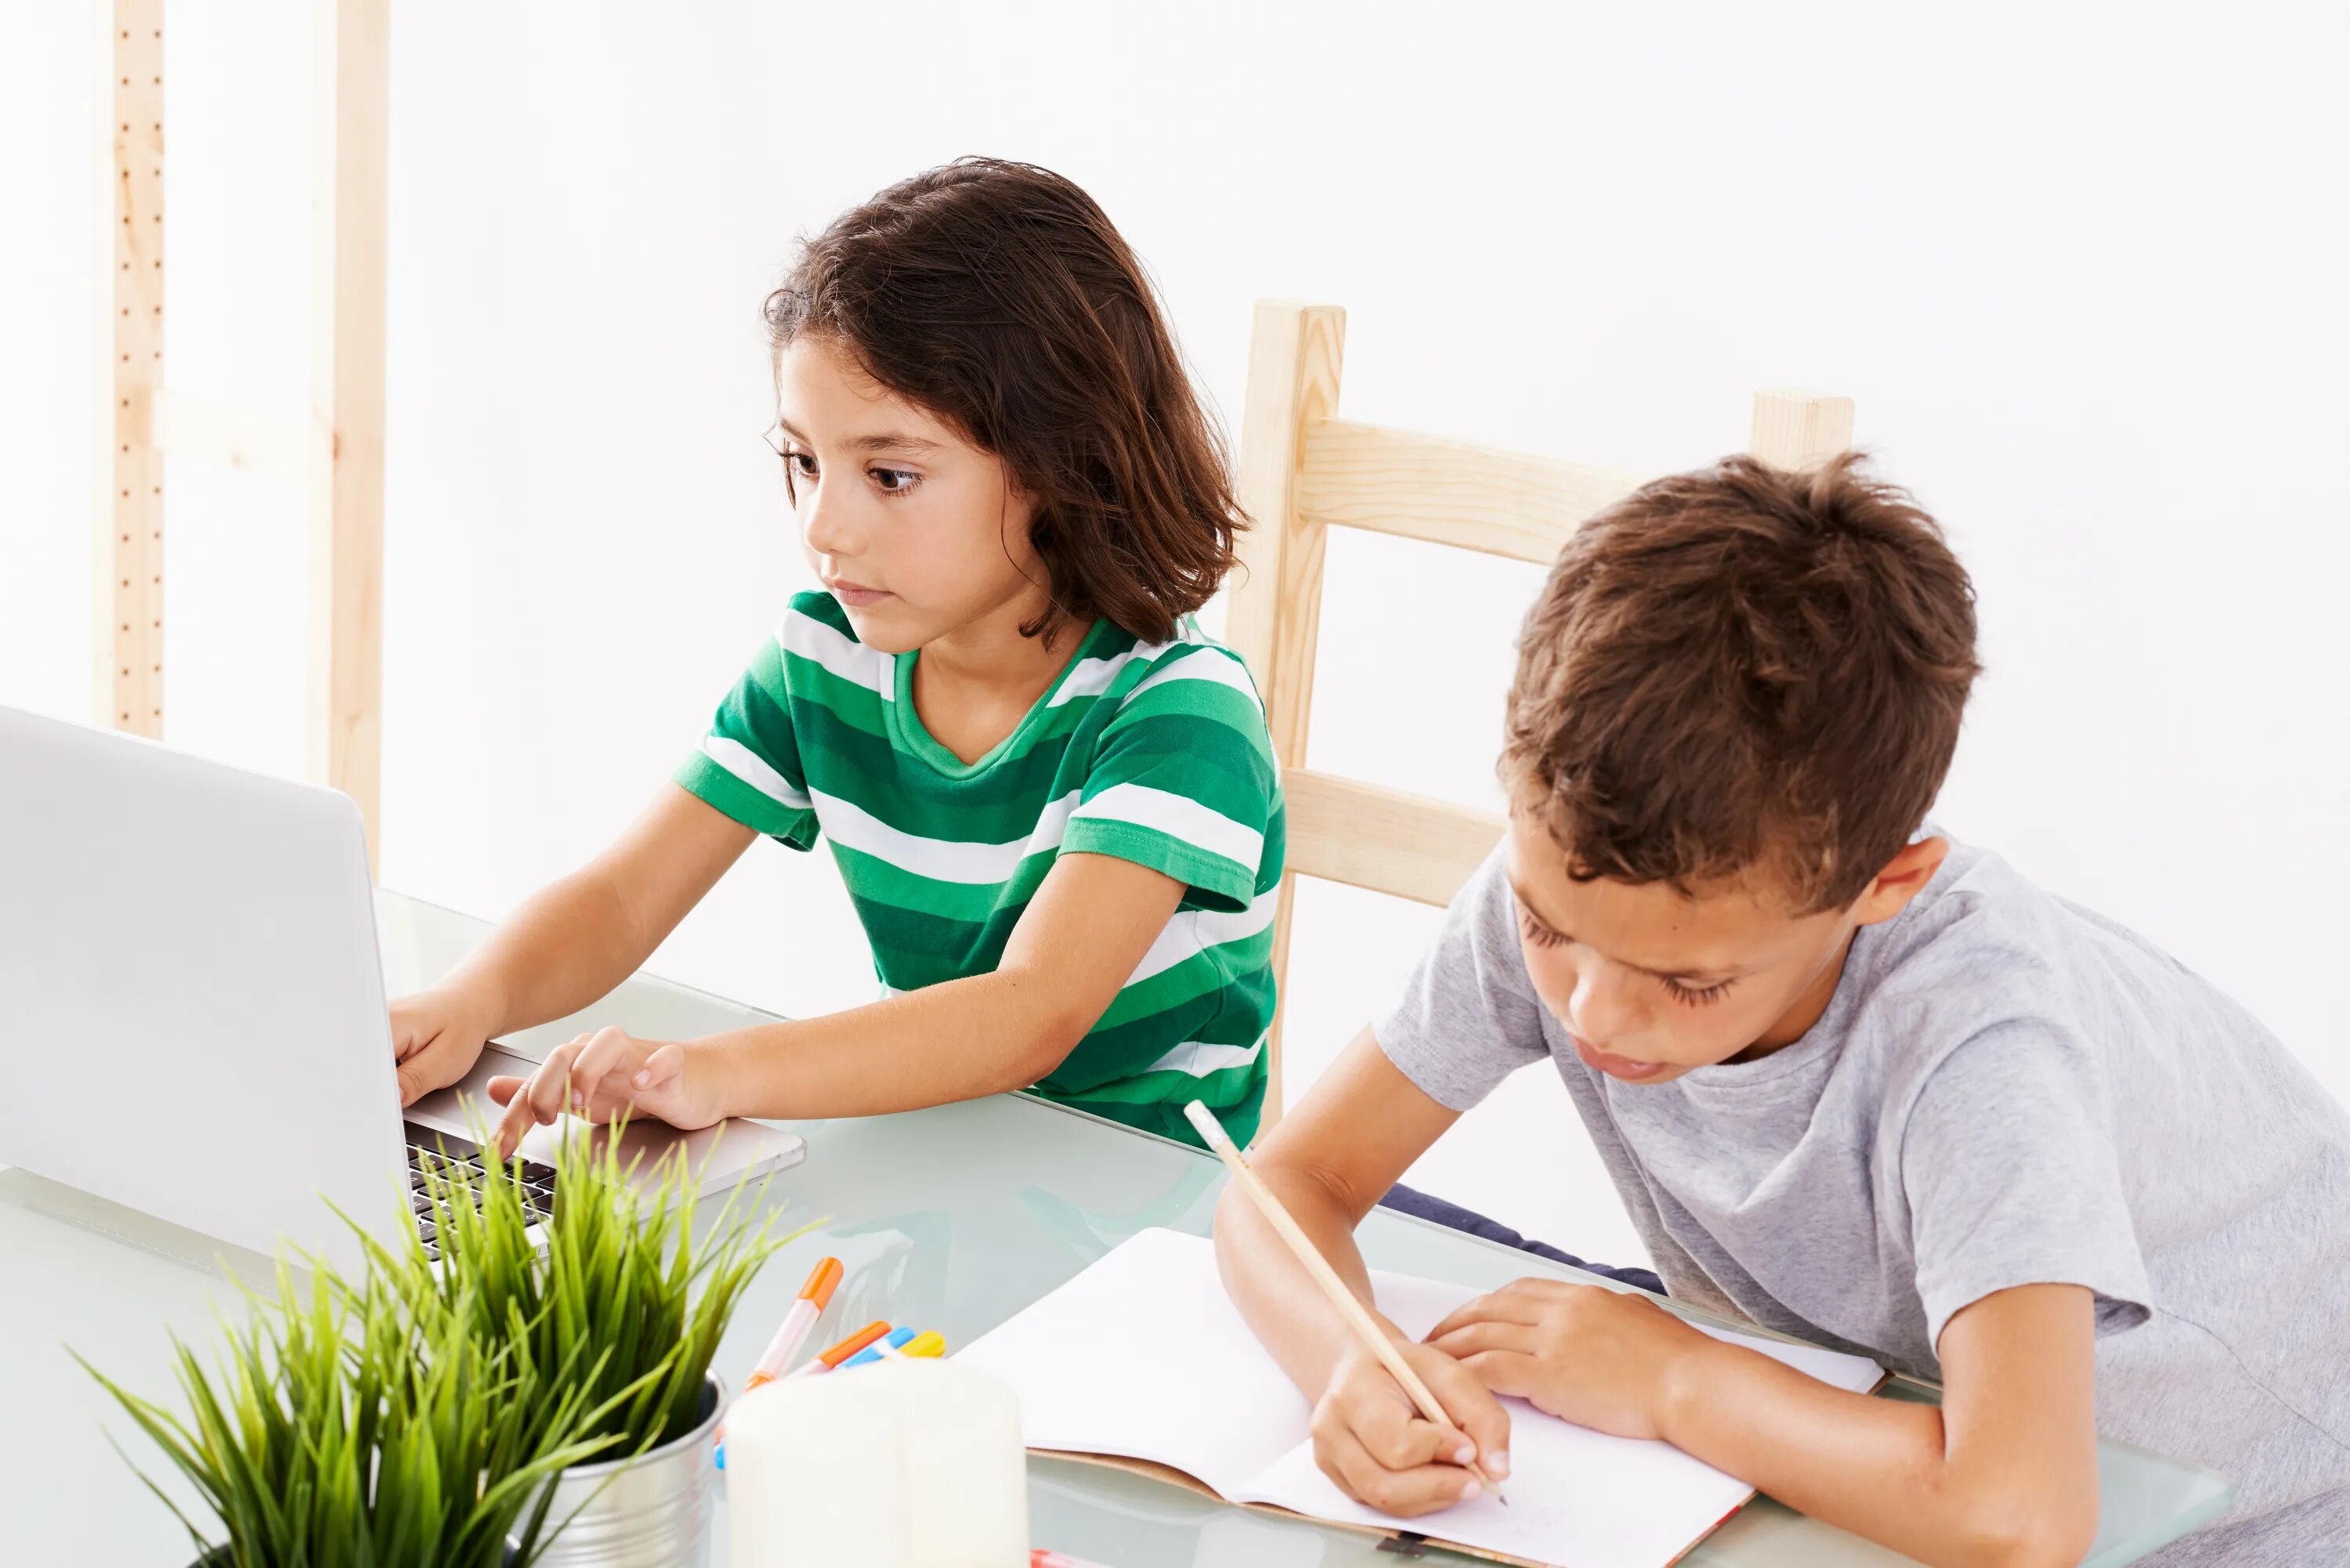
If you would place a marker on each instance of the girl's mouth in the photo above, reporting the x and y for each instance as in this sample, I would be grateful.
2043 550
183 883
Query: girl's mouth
856 595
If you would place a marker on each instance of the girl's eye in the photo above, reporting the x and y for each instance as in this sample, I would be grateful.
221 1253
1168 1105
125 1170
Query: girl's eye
893 481
801 464
1696 996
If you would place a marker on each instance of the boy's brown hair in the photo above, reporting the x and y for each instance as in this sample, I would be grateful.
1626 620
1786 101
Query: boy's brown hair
1744 669
998 296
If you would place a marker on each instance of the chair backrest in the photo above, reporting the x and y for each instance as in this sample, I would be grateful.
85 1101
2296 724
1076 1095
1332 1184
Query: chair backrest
1302 471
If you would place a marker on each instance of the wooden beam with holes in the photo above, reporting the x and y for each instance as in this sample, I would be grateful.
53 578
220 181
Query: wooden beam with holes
127 647
347 389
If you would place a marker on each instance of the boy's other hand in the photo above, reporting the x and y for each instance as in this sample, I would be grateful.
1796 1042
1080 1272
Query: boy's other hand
1597 1357
436 1037
602 1075
1372 1440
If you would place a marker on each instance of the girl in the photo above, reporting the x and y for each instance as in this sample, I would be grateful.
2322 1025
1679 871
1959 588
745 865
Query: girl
1052 800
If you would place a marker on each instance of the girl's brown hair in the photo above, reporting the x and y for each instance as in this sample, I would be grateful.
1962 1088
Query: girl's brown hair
998 296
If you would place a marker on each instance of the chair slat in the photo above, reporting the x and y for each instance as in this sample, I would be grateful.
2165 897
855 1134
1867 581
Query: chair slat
1449 492
1367 835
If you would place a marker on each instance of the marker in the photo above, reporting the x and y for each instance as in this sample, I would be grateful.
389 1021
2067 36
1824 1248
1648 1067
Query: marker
845 1349
898 1338
793 1332
1040 1558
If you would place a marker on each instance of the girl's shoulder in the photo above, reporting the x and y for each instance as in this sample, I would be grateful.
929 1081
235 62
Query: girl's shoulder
813 634
1117 667
820 608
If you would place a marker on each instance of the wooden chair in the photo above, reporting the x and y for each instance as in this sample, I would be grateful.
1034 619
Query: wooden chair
1302 471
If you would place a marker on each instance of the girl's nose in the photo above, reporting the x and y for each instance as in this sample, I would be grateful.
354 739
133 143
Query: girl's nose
823 527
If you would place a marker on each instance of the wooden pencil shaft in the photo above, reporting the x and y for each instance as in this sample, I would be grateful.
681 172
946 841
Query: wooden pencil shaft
1349 1305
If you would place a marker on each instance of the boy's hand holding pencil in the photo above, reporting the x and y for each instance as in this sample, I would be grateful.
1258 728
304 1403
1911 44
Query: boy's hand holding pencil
1401 1426
1370 1439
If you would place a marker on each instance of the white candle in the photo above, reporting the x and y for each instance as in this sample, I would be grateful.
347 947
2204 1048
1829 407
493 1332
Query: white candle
908 1464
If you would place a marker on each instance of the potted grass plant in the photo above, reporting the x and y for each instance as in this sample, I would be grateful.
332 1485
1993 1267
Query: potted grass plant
341 1425
628 1286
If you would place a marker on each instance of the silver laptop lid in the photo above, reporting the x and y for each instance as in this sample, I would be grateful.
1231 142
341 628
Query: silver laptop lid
191 1009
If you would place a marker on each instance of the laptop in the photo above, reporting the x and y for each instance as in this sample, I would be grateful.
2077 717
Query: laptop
193 1021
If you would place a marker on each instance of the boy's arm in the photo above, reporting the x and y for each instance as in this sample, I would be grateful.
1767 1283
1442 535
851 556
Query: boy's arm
2004 1473
1090 923
1329 1162
571 942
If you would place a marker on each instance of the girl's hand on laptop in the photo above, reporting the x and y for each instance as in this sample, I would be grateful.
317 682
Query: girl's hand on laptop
602 1075
1372 1440
1601 1358
436 1037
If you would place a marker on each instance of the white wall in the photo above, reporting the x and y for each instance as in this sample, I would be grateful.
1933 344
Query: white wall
2081 268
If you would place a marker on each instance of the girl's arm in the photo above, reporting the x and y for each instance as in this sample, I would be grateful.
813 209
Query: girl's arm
1082 935
571 942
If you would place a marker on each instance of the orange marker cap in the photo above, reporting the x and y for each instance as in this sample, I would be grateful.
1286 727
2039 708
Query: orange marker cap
853 1344
819 1286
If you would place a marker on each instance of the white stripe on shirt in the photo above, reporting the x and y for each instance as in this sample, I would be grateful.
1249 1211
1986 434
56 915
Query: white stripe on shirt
1179 817
751 769
941 859
805 637
1198 1059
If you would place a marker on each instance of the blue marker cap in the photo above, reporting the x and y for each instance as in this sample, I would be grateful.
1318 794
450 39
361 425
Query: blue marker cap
871 1353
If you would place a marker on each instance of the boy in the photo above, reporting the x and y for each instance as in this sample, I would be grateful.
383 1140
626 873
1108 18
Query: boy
1854 1082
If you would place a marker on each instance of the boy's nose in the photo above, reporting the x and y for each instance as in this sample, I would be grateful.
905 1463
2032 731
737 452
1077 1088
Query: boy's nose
1600 1015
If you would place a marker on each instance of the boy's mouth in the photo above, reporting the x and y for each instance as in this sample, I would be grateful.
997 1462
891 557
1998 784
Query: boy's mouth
1616 1066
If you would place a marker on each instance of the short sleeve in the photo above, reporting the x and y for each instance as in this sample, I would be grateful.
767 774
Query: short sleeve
1183 780
748 765
2009 1163
1468 1017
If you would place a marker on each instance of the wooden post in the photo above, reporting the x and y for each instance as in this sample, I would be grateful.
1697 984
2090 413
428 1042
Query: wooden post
353 87
128 648
1796 429
1295 354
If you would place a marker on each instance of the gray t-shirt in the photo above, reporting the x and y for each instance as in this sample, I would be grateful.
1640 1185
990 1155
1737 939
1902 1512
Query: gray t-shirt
2005 1089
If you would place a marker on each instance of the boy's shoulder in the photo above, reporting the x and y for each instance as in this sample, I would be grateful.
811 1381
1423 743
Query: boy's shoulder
1985 962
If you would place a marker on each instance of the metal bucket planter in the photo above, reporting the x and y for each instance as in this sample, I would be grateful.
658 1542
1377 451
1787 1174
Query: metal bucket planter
649 1511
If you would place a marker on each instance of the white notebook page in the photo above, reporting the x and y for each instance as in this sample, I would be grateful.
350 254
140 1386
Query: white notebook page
1143 1356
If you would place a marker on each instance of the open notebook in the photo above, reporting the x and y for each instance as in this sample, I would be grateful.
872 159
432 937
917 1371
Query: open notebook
1142 1356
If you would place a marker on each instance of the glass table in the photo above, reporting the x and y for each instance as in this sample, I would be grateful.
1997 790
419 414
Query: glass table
952 1219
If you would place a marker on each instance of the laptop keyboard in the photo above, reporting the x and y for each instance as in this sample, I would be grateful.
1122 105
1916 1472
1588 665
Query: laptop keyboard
462 1160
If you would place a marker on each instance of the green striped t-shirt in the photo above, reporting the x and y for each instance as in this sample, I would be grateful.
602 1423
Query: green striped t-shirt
1154 753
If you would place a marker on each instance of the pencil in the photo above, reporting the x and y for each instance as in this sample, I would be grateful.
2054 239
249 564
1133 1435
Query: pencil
1350 1307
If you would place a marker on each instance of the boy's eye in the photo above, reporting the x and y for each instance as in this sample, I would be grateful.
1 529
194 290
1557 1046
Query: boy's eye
1542 936
1696 996
893 481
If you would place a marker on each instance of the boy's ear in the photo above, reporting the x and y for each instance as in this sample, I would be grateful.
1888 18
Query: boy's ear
1904 877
